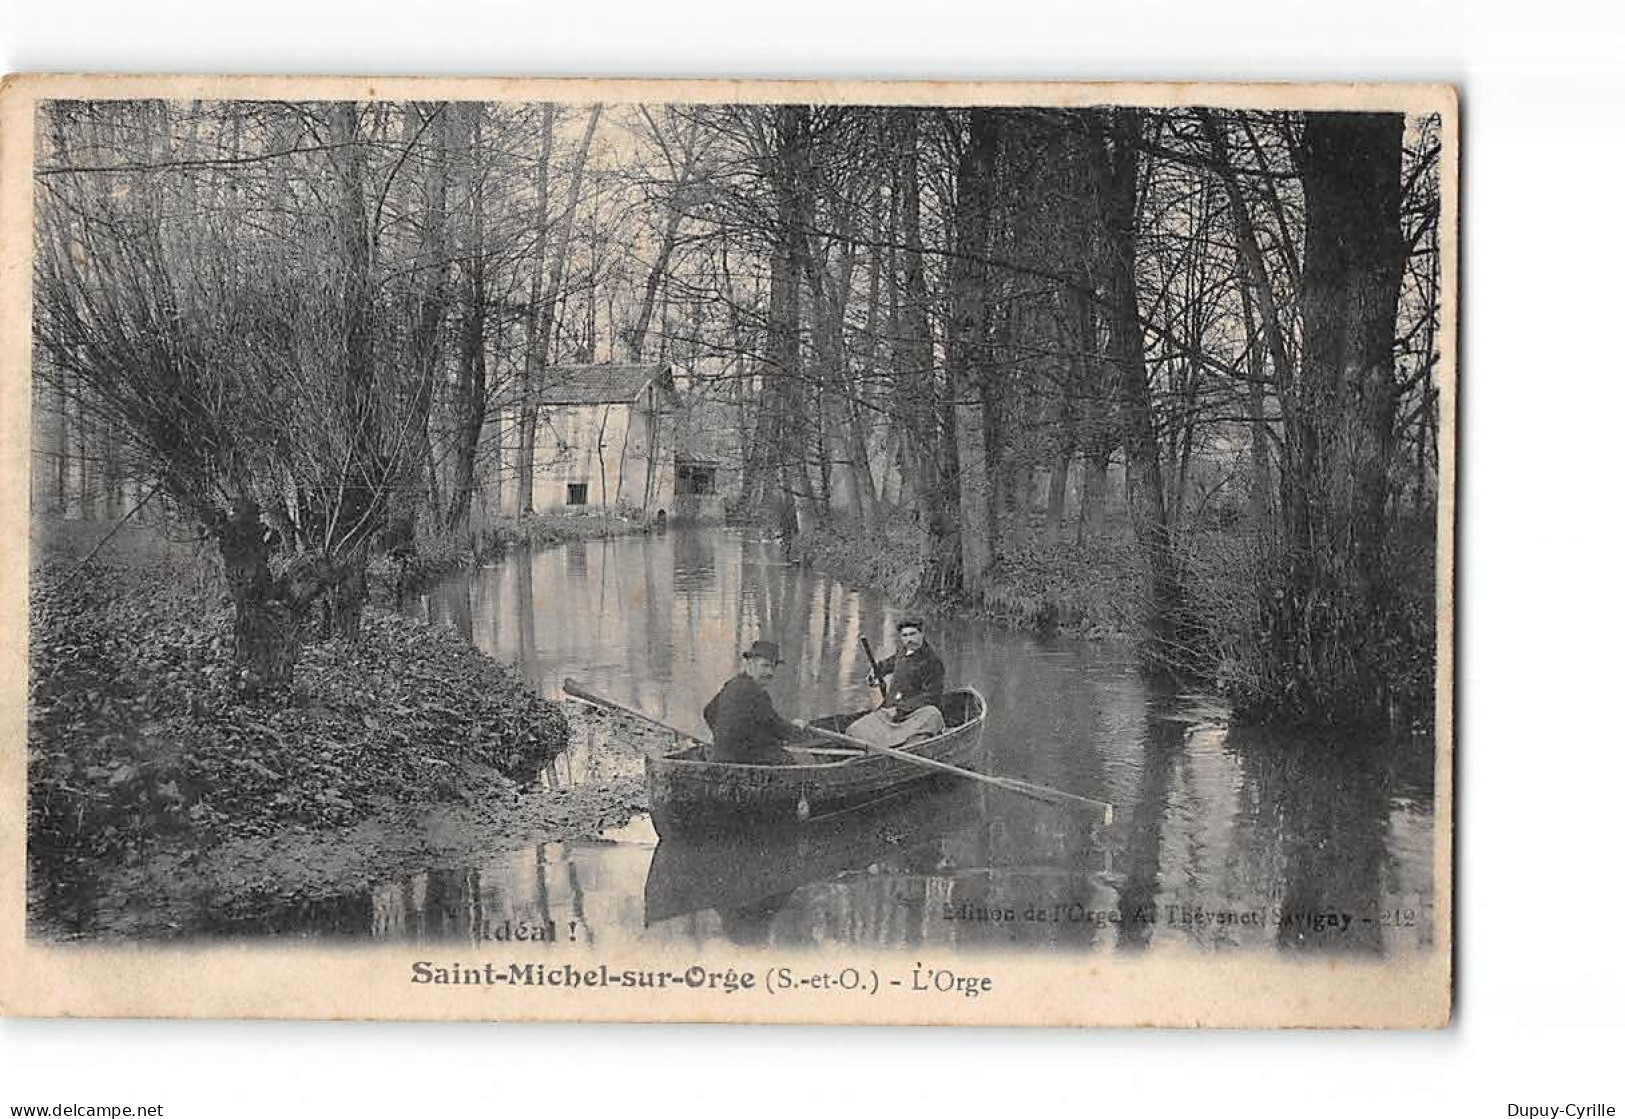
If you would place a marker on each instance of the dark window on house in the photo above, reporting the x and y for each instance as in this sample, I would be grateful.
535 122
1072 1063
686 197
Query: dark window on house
696 479
577 494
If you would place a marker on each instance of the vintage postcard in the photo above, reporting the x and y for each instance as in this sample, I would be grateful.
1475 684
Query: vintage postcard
728 551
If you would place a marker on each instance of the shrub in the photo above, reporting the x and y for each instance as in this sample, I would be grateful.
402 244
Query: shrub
136 727
885 556
1094 589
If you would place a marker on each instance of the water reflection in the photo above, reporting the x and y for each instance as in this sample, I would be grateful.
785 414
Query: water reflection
694 562
575 560
1225 839
454 604
660 620
740 874
752 924
1318 811
1163 744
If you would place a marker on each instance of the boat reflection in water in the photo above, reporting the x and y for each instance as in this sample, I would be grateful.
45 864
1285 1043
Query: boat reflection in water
749 876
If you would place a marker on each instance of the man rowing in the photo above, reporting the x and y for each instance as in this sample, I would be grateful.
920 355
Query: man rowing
912 708
745 726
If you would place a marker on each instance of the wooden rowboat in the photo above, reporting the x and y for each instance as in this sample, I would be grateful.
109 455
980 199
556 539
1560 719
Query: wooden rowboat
689 795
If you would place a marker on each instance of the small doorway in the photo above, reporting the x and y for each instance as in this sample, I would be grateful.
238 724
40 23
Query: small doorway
576 493
696 479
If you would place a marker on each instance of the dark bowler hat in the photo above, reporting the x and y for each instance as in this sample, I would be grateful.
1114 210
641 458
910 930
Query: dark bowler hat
910 623
765 650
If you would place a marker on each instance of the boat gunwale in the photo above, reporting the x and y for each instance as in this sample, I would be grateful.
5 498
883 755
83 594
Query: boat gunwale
949 735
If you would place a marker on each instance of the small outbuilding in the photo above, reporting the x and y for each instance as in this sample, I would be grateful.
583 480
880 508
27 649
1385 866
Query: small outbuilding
606 438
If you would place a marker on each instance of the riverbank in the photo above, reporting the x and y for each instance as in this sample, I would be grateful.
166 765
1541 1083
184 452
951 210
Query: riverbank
393 577
1091 590
252 885
1099 588
158 796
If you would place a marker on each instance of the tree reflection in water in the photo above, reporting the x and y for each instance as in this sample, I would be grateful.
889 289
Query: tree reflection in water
1324 805
1142 851
1209 817
1306 859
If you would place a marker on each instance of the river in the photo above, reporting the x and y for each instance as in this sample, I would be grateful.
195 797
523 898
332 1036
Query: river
1224 837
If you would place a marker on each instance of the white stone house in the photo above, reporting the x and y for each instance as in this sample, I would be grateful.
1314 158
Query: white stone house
606 437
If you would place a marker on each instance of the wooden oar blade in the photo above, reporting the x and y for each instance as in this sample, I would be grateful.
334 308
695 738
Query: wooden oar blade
1056 796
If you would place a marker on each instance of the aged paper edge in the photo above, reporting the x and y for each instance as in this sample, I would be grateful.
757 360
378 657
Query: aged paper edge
1170 988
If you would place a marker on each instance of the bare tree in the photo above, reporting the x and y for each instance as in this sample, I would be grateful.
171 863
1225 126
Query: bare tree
1340 411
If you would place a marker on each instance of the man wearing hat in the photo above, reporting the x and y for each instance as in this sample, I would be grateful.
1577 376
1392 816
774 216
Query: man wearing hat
745 726
912 708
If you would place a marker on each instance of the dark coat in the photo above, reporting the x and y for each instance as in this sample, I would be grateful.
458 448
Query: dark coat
745 726
916 681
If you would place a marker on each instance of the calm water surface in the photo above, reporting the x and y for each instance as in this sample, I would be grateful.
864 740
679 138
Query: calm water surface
1223 837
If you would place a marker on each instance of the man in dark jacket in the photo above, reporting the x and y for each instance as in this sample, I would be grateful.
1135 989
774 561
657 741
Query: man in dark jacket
912 708
745 726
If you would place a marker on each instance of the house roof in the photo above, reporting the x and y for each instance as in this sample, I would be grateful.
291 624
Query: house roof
595 384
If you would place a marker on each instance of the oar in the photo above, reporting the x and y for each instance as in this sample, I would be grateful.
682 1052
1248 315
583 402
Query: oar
571 687
874 665
1009 784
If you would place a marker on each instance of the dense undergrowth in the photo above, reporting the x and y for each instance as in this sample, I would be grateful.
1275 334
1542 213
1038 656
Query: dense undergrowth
136 729
1099 587
1093 589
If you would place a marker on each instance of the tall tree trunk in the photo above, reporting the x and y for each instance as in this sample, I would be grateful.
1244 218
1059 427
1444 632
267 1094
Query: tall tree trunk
1329 626
469 411
84 432
424 332
924 422
1252 256
785 392
59 444
538 349
60 397
525 461
969 348
861 393
364 484
1114 136
653 282
863 479
1258 482
1188 367
840 426
110 470
1092 498
1055 508
897 455
1094 380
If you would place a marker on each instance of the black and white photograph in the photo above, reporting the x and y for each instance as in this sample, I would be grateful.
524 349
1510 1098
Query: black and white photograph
843 553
